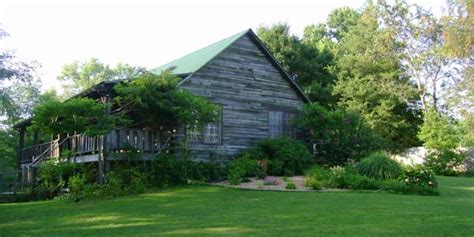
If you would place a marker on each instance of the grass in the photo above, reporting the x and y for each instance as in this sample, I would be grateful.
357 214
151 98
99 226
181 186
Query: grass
207 210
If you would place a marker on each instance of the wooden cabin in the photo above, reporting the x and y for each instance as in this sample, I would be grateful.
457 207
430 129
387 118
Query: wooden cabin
258 99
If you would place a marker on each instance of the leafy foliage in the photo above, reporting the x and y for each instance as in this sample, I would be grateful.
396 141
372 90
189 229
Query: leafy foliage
241 168
290 186
371 82
317 178
419 176
19 87
78 115
444 161
281 156
305 60
53 176
156 101
79 76
8 150
458 28
339 135
438 132
379 166
412 181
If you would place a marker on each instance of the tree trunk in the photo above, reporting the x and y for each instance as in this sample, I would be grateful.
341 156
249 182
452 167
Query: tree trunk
434 96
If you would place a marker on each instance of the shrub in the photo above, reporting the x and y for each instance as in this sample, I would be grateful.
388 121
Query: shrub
379 166
338 174
419 176
290 186
468 173
444 161
317 178
52 178
168 170
359 182
395 186
77 187
346 177
280 156
340 135
241 168
205 171
438 131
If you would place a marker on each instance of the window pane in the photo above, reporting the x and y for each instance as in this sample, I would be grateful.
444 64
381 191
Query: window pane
212 133
194 134
275 123
289 129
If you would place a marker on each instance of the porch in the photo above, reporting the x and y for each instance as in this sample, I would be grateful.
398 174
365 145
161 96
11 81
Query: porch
83 148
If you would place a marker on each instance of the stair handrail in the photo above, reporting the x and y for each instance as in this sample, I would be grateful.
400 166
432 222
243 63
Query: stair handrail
43 155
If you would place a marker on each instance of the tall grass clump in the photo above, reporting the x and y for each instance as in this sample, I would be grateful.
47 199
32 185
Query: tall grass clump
379 166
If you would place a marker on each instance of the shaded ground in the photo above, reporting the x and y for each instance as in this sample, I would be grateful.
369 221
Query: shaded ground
210 210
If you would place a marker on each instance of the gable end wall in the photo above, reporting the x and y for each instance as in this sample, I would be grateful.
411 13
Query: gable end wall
247 85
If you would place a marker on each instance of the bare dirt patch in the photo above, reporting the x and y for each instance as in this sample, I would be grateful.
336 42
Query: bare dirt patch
274 183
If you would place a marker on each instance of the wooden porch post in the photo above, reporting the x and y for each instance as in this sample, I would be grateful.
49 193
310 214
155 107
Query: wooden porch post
100 160
103 148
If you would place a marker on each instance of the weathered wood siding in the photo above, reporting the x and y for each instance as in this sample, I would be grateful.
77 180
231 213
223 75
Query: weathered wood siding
247 86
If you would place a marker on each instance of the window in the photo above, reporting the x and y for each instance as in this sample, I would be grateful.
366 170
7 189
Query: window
210 133
194 134
289 129
275 123
279 123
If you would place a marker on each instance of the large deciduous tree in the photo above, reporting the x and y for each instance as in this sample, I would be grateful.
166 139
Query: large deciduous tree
307 61
79 76
424 58
371 81
459 28
18 86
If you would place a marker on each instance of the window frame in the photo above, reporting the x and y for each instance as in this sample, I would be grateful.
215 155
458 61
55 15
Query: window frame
285 128
202 132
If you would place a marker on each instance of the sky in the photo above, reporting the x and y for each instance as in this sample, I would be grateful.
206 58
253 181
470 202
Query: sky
145 33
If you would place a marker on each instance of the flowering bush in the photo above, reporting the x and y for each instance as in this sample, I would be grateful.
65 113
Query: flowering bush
419 176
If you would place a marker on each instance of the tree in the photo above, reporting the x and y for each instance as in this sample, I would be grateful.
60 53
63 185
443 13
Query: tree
339 135
371 82
306 62
77 115
17 86
341 20
421 35
458 32
8 150
79 76
441 136
438 132
156 101
458 28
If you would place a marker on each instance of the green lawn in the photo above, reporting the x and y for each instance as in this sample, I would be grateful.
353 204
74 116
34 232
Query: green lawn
206 210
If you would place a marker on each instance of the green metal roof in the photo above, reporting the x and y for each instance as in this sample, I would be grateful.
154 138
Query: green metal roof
195 60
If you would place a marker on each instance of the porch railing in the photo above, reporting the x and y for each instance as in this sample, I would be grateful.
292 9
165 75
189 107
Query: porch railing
116 141
49 149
